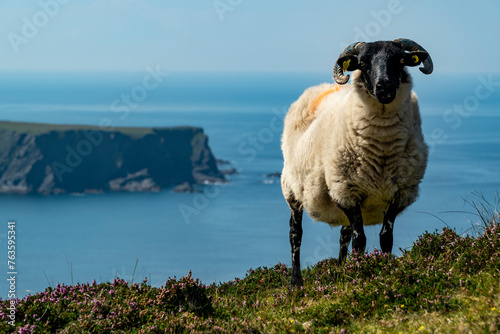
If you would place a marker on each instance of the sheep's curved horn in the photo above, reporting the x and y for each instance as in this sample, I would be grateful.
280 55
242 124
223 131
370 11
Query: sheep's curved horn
338 72
409 45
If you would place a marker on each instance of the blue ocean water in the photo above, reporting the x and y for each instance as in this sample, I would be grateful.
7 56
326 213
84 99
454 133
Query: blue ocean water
229 228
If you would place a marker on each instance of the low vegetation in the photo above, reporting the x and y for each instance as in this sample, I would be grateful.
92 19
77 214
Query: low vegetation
41 128
446 283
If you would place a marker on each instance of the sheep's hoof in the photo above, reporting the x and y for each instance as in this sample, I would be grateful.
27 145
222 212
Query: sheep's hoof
296 281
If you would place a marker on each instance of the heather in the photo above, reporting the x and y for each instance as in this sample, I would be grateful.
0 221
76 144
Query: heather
445 283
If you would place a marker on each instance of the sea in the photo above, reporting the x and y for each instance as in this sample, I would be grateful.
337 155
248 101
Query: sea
227 229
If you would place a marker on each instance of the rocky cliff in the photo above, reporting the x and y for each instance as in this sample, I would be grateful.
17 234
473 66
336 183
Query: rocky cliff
52 159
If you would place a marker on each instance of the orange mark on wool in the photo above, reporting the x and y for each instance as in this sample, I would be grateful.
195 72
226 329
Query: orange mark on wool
315 103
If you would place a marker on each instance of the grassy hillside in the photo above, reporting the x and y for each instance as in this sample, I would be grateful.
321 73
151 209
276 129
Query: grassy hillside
446 283
41 128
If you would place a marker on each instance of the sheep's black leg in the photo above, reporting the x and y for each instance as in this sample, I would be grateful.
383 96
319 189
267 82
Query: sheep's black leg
358 233
386 236
295 241
345 240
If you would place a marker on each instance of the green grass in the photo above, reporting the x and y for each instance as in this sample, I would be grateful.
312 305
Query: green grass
42 128
446 283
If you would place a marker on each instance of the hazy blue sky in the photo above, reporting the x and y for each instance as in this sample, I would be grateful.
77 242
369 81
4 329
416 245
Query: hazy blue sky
239 35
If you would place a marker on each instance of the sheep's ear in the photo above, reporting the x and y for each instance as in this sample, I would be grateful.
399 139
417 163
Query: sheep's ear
348 63
414 58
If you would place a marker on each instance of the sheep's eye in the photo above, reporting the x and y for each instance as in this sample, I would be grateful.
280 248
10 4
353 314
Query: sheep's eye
362 64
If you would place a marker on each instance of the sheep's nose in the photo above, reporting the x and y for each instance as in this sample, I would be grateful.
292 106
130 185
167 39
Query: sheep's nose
384 92
382 86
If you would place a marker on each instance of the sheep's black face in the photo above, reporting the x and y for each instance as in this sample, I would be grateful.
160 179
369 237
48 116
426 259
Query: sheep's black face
382 66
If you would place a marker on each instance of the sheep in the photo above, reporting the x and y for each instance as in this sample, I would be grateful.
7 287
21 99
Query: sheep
355 155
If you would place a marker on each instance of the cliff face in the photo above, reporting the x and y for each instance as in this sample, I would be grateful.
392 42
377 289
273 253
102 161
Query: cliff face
51 159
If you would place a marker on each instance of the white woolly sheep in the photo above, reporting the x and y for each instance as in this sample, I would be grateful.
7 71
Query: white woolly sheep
355 155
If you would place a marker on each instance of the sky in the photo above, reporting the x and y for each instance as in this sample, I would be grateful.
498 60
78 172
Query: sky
238 35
